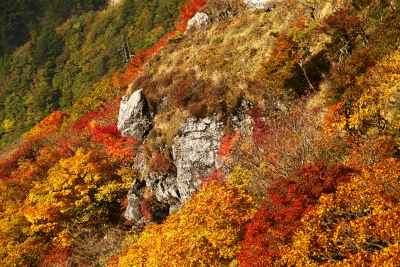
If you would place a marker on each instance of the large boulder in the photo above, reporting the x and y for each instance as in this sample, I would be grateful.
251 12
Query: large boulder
134 119
194 154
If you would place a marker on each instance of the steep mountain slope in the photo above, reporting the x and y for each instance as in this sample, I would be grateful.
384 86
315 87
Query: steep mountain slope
311 56
254 137
66 57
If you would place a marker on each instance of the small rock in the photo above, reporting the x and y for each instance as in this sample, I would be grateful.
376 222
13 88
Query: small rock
206 121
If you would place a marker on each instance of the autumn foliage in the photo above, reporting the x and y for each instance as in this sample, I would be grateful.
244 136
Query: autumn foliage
132 68
355 225
60 182
306 175
281 71
71 173
48 125
205 232
343 26
288 200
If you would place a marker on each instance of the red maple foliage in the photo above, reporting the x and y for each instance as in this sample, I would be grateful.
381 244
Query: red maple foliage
288 200
160 164
218 175
26 151
227 145
342 25
58 256
187 11
344 76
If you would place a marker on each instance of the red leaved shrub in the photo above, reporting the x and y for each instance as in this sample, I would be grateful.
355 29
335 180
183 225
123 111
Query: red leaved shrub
187 11
218 175
227 145
342 25
145 208
159 163
288 200
58 256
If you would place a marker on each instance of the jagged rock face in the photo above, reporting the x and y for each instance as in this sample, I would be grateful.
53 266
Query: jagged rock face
164 187
159 210
134 119
194 153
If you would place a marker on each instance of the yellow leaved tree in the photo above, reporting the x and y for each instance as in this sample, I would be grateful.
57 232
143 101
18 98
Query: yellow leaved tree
356 226
377 104
205 232
79 191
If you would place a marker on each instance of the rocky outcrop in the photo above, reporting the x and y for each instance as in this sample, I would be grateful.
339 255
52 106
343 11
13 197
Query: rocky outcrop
194 152
200 20
134 119
261 4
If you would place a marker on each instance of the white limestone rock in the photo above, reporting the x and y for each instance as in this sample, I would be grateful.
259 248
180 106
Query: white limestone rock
134 119
194 153
260 4
199 21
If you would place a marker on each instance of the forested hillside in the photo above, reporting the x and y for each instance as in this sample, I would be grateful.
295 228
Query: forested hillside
67 48
307 93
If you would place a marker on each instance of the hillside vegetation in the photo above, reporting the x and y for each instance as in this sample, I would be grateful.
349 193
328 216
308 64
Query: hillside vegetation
313 182
69 53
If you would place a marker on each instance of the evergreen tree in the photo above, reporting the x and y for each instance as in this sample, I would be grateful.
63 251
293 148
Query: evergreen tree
48 46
